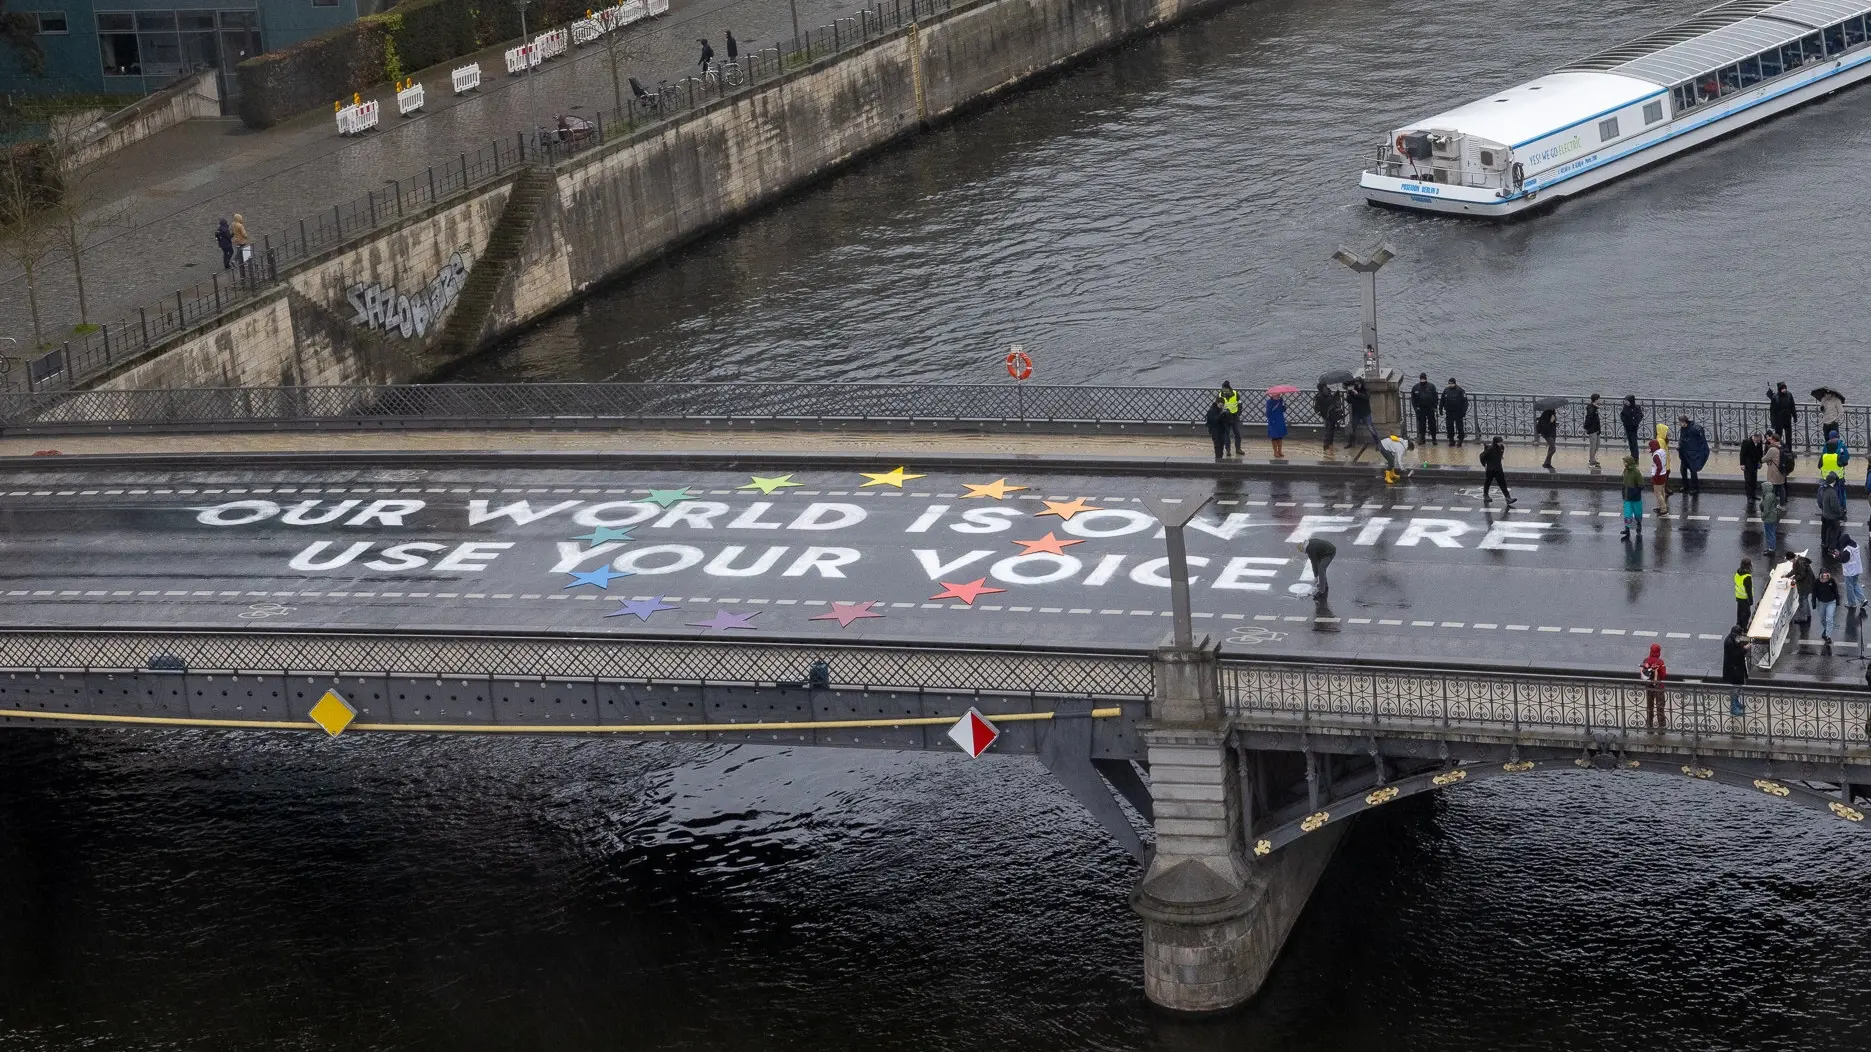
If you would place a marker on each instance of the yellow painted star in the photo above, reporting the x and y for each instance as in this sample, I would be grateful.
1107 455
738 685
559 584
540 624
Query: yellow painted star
1065 509
894 477
768 485
997 489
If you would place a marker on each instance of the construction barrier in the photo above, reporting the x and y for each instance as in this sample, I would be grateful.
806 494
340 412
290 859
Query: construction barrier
466 78
658 7
629 11
409 100
357 118
585 30
519 59
553 44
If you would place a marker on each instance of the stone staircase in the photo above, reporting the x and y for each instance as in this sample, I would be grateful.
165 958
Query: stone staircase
461 335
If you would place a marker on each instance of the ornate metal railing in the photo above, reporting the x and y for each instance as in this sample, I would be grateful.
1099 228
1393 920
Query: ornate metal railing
1009 670
1013 407
1456 704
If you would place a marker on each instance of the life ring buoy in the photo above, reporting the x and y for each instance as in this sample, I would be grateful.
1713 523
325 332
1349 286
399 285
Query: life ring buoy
1019 366
1400 150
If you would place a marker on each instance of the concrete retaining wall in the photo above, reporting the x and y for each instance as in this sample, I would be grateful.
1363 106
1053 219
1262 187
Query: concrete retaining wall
623 204
186 99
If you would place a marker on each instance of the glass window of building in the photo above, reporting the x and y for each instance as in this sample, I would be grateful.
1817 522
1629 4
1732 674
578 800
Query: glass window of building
240 37
52 22
116 44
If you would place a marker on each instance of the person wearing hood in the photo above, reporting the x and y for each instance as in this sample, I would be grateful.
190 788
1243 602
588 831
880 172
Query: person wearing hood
1424 398
1831 512
1803 581
1330 406
1782 411
224 237
1692 451
1632 417
1216 421
1770 522
1653 672
1633 485
1660 469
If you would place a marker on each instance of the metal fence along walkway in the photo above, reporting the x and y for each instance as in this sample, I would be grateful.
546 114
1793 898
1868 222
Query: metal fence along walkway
609 405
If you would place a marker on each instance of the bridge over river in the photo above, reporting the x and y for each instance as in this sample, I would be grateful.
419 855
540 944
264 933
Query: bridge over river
1185 683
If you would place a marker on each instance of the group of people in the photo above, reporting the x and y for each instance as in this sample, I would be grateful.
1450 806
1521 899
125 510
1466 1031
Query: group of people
232 239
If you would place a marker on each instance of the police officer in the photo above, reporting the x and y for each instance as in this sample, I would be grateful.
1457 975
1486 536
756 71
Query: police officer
1231 405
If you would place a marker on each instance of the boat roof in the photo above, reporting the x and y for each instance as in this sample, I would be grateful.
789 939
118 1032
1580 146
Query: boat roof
1538 108
1718 36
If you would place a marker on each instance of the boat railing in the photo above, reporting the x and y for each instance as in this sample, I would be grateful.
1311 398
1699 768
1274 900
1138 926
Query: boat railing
1396 166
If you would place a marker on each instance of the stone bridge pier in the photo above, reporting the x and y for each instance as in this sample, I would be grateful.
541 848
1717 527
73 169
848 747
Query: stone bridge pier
1214 916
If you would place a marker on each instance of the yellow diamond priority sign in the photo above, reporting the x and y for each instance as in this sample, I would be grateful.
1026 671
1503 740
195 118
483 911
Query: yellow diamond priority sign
333 713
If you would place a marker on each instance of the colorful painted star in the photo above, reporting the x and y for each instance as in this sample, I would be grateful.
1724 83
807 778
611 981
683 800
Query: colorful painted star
601 534
894 477
642 608
998 489
967 593
845 613
727 619
599 578
767 485
1065 509
1048 545
666 497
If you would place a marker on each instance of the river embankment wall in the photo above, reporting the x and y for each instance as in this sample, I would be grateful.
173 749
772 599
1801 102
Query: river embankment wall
370 312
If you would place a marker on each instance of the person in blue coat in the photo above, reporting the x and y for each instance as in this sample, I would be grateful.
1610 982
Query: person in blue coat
1692 452
1276 425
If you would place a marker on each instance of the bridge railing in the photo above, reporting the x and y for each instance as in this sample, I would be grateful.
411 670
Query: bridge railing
1006 406
1475 704
1072 672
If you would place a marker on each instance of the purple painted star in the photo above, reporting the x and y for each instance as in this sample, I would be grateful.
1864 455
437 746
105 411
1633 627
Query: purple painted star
727 619
642 608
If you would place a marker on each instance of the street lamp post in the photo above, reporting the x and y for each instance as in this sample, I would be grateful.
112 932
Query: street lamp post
526 69
1368 268
794 4
1174 514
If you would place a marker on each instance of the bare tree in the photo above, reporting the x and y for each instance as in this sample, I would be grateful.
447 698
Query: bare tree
621 47
81 216
27 236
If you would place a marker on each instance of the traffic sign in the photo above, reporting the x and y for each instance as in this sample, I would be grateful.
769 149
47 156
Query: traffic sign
973 733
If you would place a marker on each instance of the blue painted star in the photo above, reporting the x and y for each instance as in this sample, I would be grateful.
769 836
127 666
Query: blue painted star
726 619
600 534
643 608
600 577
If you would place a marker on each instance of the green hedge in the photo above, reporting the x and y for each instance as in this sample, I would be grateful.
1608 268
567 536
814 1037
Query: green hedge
331 66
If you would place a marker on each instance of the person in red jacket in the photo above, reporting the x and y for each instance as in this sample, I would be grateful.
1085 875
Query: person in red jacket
1653 671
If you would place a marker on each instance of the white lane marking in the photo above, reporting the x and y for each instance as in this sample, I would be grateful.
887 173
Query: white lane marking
1486 624
1518 628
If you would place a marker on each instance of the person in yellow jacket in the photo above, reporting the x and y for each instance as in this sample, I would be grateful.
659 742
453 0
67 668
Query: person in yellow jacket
1744 593
1231 405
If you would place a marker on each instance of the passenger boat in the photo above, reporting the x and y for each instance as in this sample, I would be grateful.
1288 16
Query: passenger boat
1615 112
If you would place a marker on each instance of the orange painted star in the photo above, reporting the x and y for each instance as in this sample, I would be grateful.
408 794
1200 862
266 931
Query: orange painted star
1048 545
1065 509
998 489
967 593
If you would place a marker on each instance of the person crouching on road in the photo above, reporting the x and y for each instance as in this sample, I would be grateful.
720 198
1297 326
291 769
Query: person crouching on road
1394 447
1217 422
1319 553
1653 672
1744 592
1660 469
1633 485
1494 472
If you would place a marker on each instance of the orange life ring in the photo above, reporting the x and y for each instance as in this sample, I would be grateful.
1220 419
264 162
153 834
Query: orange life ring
1019 366
1400 145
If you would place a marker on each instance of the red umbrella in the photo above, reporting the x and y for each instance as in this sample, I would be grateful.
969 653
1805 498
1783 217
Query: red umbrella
1283 389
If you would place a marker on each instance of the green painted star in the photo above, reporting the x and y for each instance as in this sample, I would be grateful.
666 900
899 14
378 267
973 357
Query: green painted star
600 534
666 497
768 485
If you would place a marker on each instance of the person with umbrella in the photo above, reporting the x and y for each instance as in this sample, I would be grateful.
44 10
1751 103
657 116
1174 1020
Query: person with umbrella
1358 401
1276 418
1424 398
1330 405
1831 409
1546 427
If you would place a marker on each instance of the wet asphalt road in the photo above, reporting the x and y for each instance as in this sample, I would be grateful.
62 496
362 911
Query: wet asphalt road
1424 570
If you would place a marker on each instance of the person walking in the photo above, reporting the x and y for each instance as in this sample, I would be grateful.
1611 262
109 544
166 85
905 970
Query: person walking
1735 648
224 237
1750 456
1327 402
1216 420
1831 513
1455 413
1592 428
708 54
1231 404
1744 592
1546 428
1782 412
1660 470
1424 398
243 248
1493 466
1692 451
1276 425
1851 567
1632 417
1653 673
1633 489
1770 522
1826 600
1803 581
1776 464
734 46
1319 554
1358 398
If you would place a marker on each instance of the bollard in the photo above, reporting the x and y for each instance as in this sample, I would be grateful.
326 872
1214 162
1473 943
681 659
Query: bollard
304 249
431 184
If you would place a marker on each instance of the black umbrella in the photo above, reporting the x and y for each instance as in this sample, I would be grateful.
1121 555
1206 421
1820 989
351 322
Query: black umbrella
1821 392
1549 402
1336 376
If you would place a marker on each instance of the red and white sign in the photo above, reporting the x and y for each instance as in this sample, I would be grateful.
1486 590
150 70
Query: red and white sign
973 733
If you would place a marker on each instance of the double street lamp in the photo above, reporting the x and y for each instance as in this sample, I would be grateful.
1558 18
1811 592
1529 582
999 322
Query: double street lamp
1369 268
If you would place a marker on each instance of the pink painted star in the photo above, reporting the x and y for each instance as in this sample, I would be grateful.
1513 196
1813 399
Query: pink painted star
727 619
845 613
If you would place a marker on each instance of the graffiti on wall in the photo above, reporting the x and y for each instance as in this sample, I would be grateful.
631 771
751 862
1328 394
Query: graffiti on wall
411 314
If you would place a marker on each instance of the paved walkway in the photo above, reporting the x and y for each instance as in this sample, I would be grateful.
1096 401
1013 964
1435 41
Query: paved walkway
179 183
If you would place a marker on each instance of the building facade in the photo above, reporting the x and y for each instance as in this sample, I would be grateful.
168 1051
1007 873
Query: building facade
133 47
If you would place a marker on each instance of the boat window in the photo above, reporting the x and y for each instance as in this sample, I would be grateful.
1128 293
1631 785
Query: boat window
1790 56
1708 89
1750 72
1607 129
1835 40
1653 111
1815 48
1854 32
1771 66
1731 80
1682 97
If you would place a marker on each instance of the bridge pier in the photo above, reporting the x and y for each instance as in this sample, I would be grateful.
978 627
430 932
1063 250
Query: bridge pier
1214 919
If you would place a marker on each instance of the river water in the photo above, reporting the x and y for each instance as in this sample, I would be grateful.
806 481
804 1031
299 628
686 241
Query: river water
1161 216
